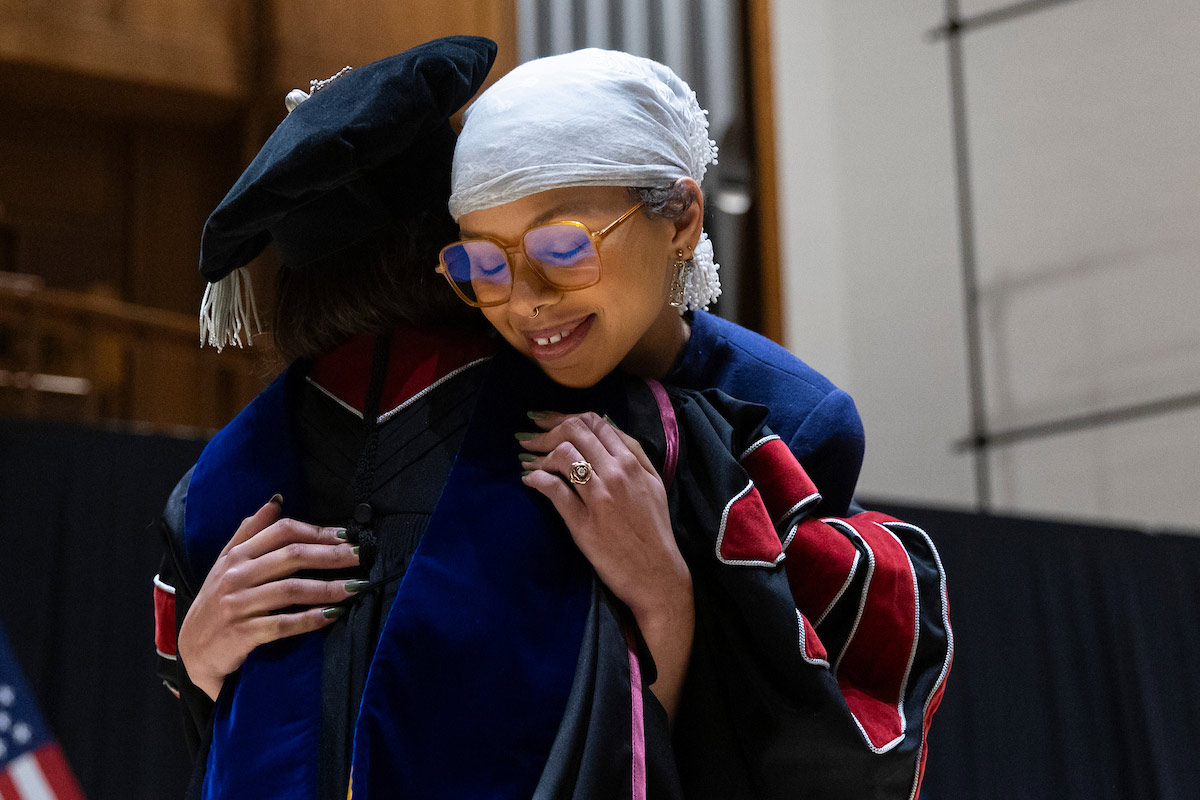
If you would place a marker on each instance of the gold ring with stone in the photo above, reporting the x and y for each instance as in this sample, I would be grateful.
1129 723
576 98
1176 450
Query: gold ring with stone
580 473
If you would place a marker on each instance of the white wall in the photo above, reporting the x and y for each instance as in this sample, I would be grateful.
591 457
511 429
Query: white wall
1083 126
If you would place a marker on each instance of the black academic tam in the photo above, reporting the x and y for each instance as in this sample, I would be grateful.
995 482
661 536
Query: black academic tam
367 148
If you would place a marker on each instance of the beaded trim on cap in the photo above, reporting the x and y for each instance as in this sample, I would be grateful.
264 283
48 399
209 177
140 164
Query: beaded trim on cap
297 96
704 149
703 285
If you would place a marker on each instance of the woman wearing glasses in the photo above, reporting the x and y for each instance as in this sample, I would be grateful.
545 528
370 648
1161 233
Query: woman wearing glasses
576 189
642 633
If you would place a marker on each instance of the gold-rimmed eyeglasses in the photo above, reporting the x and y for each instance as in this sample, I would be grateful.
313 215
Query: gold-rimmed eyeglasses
564 254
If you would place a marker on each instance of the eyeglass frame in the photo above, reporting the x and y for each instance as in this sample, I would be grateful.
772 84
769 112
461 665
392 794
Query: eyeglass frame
508 250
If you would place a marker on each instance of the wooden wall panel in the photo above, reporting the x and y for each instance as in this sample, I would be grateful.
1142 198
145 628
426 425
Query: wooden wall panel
177 177
197 46
115 202
316 38
124 122
59 170
62 196
134 363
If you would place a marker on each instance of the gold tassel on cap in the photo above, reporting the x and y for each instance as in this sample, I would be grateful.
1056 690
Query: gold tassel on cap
227 310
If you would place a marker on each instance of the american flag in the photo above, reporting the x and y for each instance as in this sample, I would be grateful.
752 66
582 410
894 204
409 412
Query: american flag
32 766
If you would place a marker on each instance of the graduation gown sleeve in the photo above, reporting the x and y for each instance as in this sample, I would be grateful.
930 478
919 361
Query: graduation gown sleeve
822 644
174 590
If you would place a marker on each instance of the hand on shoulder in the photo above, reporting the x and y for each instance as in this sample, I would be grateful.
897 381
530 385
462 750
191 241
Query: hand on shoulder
241 603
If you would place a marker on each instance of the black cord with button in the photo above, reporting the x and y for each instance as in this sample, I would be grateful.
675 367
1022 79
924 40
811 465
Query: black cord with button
360 530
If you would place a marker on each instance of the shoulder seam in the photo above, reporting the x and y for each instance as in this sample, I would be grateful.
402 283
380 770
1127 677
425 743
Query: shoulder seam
777 367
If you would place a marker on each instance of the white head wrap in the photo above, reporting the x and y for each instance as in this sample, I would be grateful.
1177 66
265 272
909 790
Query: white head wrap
587 118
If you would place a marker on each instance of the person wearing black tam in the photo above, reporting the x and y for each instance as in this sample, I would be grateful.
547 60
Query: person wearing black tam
362 160
351 188
423 623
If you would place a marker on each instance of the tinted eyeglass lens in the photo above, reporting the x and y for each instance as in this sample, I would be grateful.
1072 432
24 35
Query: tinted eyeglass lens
479 269
565 253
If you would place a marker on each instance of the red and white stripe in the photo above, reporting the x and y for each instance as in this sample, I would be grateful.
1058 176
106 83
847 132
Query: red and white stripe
164 619
747 537
785 487
41 774
873 668
822 558
820 565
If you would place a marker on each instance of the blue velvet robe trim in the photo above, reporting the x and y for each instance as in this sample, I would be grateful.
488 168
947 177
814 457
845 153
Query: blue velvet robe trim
267 724
250 459
476 660
279 686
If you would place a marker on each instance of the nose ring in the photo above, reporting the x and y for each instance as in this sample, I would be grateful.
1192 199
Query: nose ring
536 310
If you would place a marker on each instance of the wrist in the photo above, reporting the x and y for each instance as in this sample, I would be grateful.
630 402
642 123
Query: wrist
209 684
669 608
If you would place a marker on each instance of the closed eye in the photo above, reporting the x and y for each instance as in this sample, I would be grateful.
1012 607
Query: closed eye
564 255
486 270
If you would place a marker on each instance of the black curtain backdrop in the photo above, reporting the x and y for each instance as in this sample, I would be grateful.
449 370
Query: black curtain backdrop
77 559
1077 661
1076 674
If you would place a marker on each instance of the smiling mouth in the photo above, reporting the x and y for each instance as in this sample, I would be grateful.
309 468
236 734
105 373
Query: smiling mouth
555 339
549 343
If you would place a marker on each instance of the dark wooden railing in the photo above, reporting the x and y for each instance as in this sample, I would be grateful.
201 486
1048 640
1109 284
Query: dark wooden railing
92 358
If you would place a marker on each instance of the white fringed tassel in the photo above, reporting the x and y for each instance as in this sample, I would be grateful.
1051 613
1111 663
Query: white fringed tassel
227 310
703 285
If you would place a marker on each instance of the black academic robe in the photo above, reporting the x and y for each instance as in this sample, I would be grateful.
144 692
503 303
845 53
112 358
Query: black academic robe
821 645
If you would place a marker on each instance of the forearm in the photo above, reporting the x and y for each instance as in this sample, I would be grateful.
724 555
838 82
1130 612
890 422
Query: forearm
668 630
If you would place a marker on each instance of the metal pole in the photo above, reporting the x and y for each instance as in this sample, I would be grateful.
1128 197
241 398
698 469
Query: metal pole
966 232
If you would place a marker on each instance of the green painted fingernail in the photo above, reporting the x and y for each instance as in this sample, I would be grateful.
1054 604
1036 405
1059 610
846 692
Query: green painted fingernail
525 472
537 414
356 585
341 534
355 549
333 612
277 498
522 436
526 456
